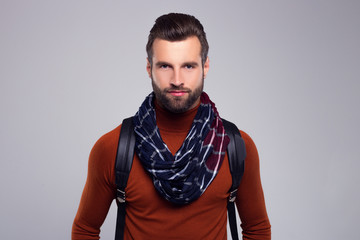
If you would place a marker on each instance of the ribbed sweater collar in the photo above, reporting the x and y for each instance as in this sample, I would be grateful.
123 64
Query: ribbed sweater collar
174 122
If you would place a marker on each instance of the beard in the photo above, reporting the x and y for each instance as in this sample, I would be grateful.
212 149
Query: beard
177 104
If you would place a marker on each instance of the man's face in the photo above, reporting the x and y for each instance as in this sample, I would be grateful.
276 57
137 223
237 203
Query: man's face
177 73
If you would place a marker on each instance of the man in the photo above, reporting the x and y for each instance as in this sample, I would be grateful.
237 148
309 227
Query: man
179 182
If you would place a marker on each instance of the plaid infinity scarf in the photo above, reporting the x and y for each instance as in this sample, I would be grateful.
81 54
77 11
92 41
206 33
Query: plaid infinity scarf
184 177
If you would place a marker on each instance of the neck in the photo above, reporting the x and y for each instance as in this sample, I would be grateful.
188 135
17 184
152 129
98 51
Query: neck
175 122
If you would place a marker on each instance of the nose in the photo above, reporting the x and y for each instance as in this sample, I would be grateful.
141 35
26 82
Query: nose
176 78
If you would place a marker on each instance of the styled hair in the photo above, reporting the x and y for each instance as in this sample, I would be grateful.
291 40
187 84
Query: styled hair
177 27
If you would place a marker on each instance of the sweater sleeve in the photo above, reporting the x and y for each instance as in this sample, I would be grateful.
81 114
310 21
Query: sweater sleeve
250 198
99 190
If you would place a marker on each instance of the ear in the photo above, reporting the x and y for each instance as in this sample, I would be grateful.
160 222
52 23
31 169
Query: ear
148 67
206 66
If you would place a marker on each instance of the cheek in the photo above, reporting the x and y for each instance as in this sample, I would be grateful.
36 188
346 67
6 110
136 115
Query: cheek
162 78
194 78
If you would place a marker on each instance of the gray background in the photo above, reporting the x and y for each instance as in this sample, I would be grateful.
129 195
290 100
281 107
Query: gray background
286 72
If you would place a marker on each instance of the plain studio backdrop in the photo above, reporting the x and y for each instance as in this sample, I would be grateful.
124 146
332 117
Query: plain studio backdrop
285 71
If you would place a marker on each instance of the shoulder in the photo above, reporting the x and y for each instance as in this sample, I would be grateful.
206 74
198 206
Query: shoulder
103 153
252 155
249 143
107 141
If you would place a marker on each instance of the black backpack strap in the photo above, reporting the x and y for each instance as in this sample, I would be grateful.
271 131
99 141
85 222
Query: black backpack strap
236 154
124 159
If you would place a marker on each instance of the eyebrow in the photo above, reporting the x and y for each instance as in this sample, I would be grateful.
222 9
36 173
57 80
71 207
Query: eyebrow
161 63
195 64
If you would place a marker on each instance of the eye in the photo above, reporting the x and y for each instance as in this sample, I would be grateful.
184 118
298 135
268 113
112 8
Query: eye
189 66
164 66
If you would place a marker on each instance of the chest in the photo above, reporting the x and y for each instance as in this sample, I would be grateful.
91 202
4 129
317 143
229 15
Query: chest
150 214
140 186
142 195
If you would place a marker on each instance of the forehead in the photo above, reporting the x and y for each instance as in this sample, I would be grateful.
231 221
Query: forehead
184 50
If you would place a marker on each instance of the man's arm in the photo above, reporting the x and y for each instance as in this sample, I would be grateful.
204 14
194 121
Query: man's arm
99 190
250 198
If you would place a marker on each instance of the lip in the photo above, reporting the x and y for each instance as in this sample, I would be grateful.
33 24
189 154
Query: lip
177 93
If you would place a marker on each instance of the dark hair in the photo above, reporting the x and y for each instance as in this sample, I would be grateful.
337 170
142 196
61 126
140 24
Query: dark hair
177 27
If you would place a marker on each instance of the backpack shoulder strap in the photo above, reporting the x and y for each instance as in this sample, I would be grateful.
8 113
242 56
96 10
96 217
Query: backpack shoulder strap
236 155
124 159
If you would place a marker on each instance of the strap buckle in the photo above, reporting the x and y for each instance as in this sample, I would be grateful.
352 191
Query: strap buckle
232 195
120 196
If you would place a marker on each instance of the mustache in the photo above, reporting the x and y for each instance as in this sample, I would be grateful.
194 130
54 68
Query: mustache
177 88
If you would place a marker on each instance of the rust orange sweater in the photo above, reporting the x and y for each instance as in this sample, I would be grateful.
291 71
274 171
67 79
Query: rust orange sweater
149 216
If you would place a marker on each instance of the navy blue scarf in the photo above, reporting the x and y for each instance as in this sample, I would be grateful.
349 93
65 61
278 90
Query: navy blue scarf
184 177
